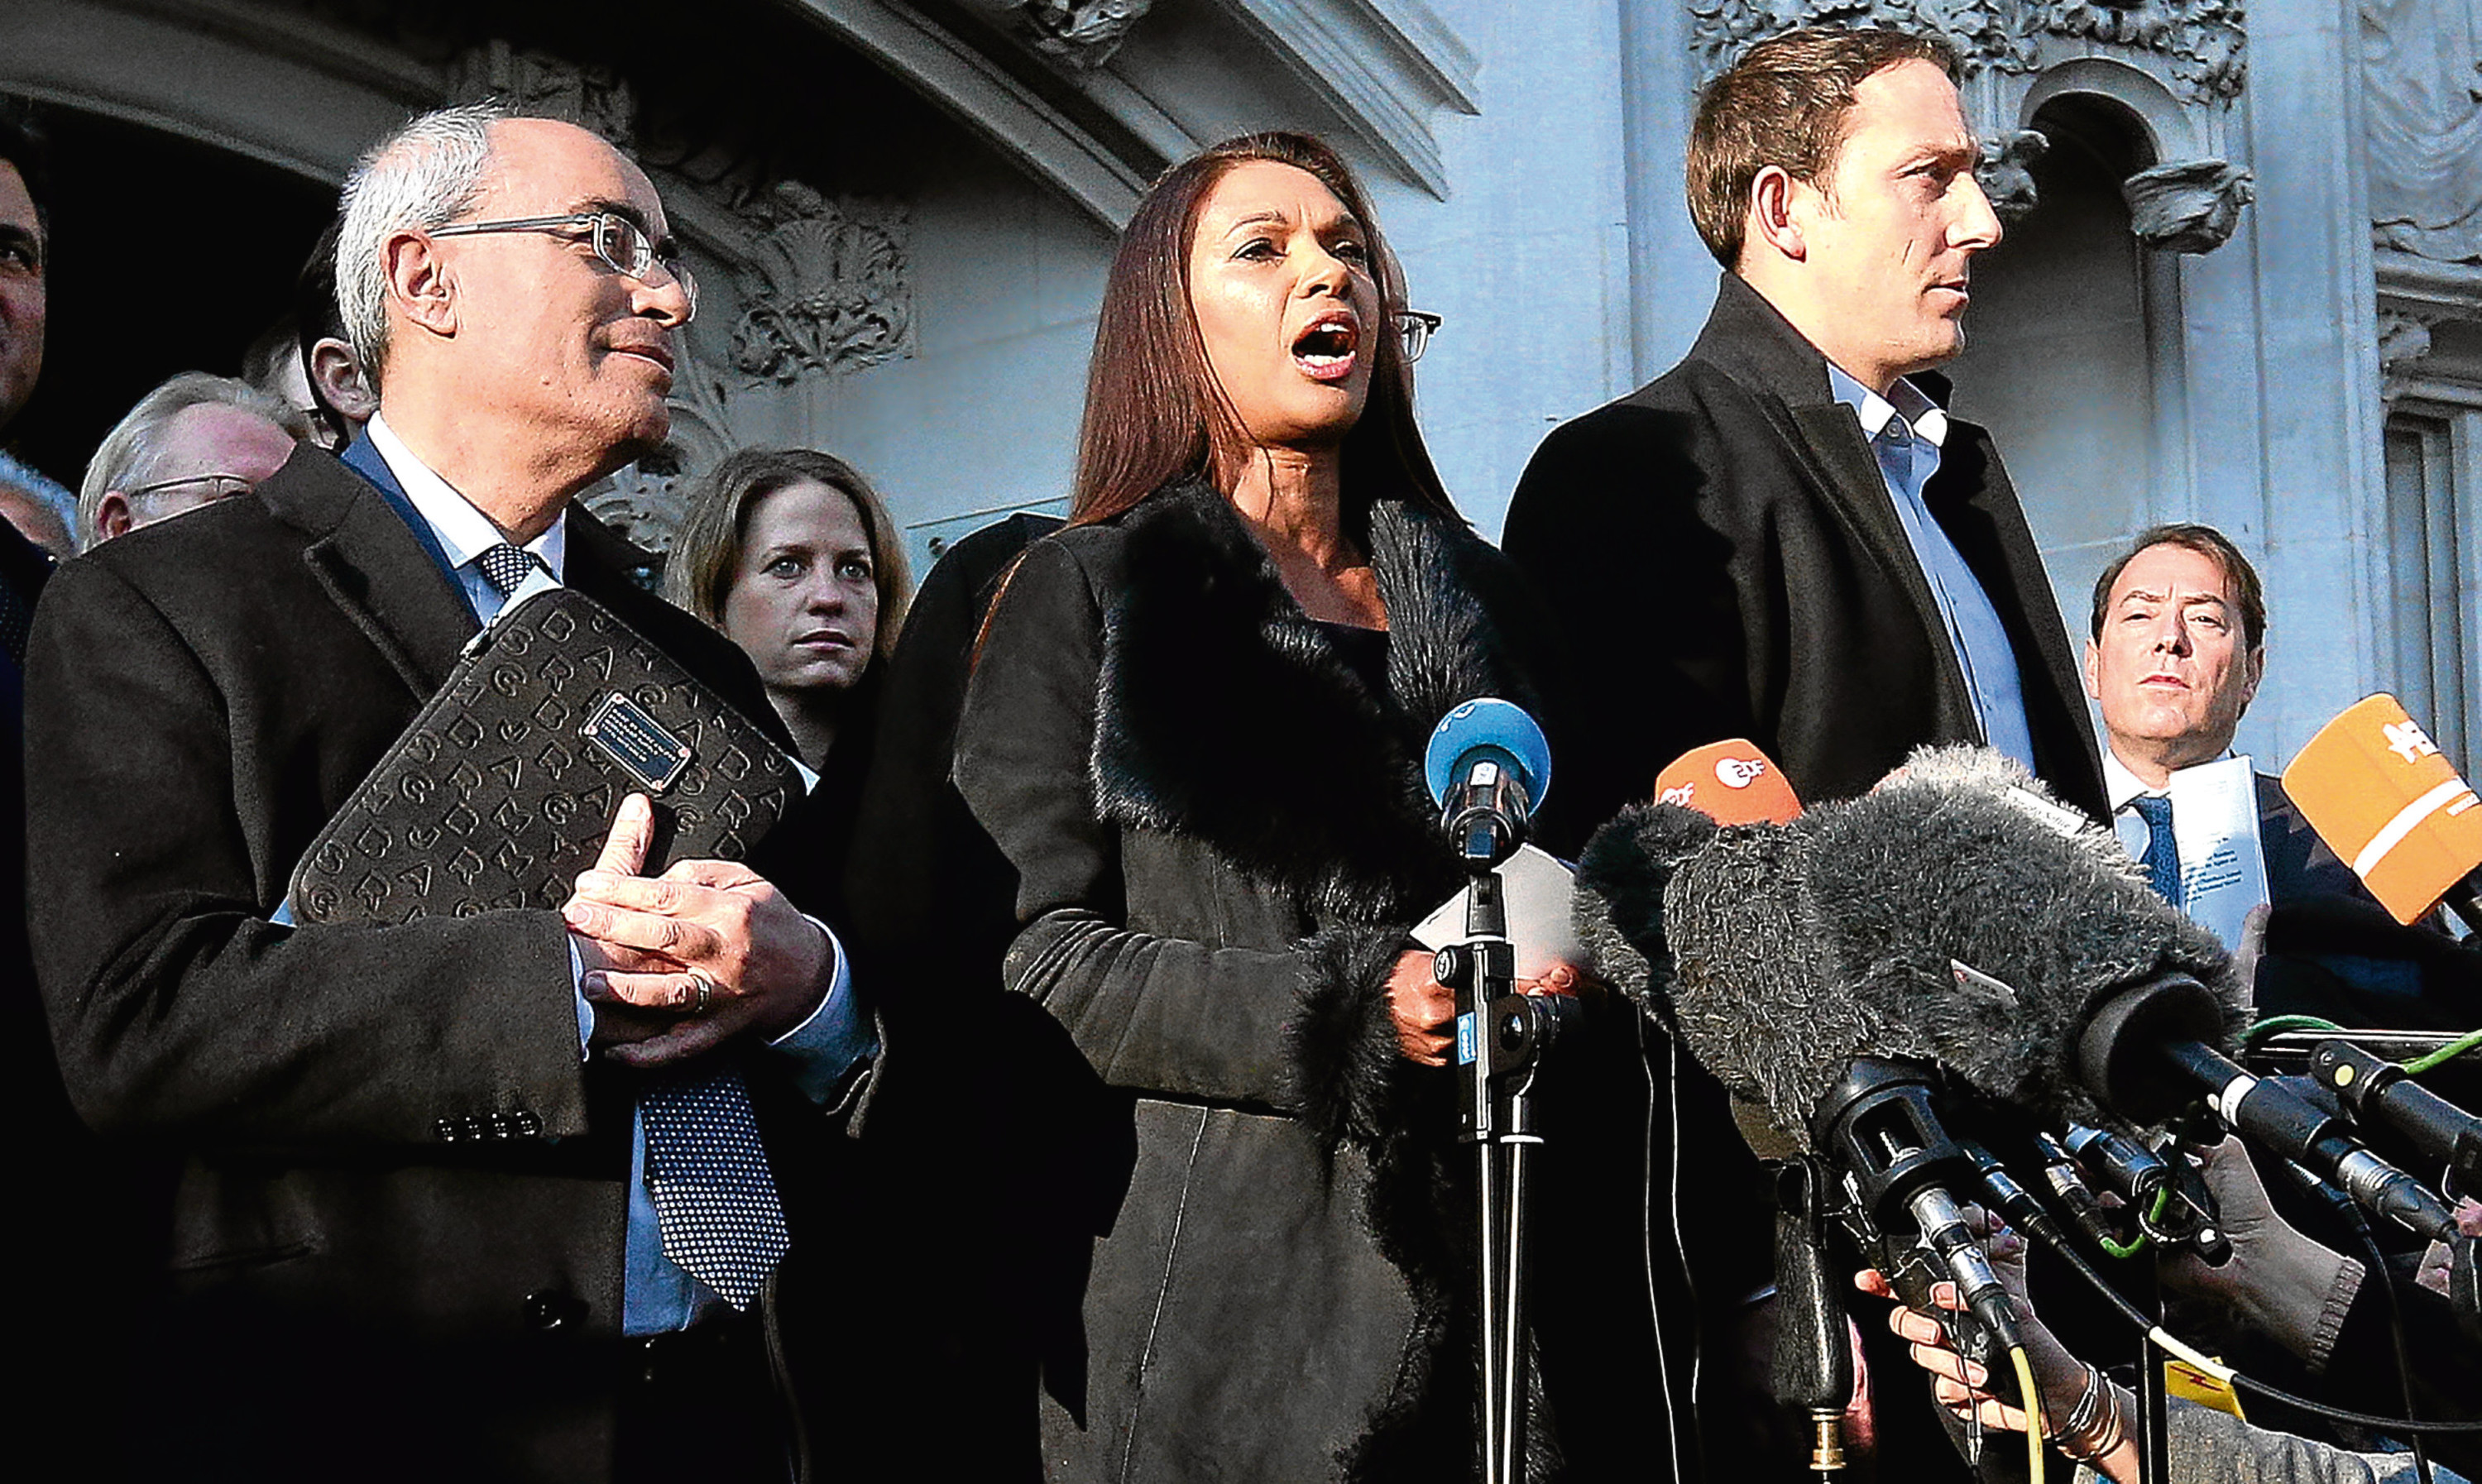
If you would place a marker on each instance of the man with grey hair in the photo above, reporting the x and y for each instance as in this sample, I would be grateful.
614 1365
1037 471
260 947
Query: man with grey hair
196 438
499 1196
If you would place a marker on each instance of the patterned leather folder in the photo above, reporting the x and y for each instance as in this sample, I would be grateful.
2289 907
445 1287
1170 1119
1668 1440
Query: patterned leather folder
502 789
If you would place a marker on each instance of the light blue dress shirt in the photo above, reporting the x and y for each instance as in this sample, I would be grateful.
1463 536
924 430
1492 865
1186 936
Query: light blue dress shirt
657 1294
1906 429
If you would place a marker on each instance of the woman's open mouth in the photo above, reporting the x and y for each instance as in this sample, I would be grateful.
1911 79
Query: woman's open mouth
1325 352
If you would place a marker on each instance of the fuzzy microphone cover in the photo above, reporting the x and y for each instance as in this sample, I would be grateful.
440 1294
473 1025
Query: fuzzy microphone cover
1779 953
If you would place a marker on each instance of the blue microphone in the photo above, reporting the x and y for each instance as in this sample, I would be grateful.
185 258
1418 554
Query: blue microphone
1488 767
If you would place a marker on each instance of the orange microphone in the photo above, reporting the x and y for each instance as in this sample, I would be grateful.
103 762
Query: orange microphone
2377 790
1730 783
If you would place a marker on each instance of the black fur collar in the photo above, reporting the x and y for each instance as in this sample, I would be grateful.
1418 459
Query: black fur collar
1224 713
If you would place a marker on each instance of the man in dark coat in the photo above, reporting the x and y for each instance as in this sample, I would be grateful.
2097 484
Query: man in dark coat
2176 648
1786 538
409 1238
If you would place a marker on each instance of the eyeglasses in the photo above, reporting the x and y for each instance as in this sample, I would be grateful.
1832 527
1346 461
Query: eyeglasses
221 485
622 244
1415 326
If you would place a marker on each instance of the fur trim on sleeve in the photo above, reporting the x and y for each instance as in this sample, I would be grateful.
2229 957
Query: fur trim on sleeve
1343 1039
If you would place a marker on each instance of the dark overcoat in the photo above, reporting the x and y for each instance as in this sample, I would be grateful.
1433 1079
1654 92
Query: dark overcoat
1727 562
396 1246
1220 837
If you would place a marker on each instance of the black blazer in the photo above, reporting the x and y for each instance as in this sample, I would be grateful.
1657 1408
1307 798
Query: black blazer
1726 562
350 1294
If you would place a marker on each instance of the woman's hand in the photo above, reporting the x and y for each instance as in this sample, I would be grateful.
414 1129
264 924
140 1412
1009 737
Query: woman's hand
1960 1383
1562 978
1425 1009
2281 1282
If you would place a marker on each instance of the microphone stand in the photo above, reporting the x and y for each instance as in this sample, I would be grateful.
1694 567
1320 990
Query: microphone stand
2154 1405
1502 1038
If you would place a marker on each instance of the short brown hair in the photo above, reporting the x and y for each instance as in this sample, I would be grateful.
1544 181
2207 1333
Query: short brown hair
705 559
2215 546
1784 104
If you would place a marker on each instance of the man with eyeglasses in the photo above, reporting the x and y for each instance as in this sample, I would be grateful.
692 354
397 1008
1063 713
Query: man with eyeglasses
463 1198
194 440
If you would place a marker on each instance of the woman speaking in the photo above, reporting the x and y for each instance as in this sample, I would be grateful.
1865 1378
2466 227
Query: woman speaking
1195 728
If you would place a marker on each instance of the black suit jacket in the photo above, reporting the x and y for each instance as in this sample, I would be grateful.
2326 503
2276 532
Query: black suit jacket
2299 865
351 1293
1727 562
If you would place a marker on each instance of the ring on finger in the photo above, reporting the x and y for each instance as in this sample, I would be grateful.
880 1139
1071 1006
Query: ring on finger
705 990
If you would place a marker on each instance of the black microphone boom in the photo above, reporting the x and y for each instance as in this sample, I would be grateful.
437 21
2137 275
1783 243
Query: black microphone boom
2378 1091
2145 1053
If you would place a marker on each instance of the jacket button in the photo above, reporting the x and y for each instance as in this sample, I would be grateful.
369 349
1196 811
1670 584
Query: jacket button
525 1125
552 1310
446 1129
498 1124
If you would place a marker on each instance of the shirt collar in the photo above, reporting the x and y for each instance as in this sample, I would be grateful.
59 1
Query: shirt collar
2121 785
1926 417
465 532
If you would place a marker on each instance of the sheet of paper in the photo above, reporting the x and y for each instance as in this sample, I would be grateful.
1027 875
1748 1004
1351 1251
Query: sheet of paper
1539 889
2214 824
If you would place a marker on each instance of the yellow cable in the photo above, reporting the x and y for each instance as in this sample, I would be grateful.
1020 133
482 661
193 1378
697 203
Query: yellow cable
2036 1425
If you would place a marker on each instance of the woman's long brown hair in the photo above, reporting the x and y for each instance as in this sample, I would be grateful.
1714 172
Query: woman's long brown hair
1154 410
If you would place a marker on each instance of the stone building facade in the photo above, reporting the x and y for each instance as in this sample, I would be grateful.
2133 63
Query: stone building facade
2243 280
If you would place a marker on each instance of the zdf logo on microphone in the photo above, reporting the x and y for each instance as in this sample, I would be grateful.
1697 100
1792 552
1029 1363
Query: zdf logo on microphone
1739 772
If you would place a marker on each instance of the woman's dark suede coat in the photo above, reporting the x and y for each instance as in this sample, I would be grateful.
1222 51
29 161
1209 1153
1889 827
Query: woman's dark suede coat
1221 835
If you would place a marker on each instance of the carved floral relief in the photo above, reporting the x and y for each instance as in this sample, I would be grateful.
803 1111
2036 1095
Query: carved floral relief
2204 41
830 289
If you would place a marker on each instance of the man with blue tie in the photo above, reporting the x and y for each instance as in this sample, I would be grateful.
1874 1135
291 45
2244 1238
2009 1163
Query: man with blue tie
507 1196
2177 650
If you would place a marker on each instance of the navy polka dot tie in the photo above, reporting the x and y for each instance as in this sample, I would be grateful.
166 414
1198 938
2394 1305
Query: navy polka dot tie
505 566
715 1198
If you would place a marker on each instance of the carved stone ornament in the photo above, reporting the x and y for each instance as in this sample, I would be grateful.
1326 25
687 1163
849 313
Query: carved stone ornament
2006 174
2421 101
2189 208
1081 33
2201 40
539 86
2403 339
1984 33
828 290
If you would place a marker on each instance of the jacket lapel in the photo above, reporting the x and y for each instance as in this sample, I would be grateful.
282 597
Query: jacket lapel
374 566
1757 346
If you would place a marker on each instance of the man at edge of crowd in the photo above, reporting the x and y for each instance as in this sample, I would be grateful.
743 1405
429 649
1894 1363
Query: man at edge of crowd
2178 648
460 1197
1787 537
2176 651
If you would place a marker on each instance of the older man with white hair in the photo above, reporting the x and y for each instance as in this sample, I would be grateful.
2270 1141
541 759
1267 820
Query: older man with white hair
415 1236
194 440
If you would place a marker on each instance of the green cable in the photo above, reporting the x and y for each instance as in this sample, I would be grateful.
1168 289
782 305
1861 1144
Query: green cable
2162 1203
2456 1047
2276 1024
